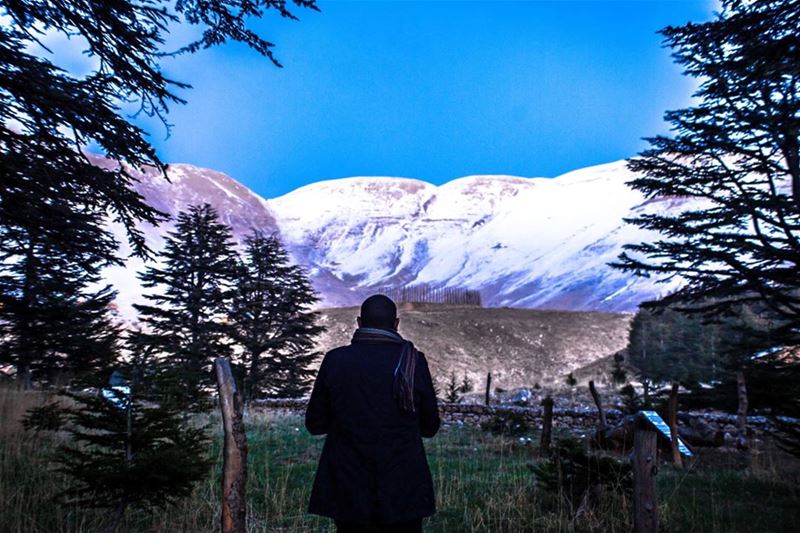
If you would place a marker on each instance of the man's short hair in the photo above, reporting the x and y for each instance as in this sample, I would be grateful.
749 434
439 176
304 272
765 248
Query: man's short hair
378 311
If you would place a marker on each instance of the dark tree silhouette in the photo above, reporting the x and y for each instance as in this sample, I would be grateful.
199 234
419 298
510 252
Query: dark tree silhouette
736 153
132 445
185 316
669 345
48 115
51 324
55 199
666 346
271 321
453 394
87 340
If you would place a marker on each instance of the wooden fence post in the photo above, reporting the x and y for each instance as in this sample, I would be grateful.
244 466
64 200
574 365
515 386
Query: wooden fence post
602 425
234 468
741 413
598 402
645 466
673 426
547 426
488 386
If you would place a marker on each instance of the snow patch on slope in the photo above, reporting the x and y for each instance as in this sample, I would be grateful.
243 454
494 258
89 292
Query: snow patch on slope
533 242
523 242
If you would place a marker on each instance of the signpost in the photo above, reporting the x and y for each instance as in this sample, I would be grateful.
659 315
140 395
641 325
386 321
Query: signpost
662 426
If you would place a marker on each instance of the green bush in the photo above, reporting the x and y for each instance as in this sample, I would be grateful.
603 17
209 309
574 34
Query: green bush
579 477
508 423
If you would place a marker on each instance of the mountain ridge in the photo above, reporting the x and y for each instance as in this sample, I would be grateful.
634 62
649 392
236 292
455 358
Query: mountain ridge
531 242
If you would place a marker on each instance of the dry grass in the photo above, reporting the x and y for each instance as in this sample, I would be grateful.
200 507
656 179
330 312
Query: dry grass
482 483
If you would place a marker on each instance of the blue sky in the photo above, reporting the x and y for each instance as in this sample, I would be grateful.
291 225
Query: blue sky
431 90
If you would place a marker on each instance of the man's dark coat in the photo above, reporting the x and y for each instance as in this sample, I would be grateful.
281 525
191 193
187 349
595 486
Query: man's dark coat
373 467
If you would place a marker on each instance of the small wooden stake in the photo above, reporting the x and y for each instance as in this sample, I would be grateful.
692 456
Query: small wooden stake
547 426
645 465
599 404
488 386
602 426
234 468
673 426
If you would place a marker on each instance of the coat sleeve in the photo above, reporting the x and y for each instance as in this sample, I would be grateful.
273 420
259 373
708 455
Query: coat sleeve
428 407
318 411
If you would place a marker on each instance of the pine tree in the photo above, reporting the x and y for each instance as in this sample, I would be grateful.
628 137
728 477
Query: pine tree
271 321
466 384
737 153
668 345
453 389
55 200
82 338
780 393
619 376
653 350
131 445
91 335
300 331
186 315
51 324
49 115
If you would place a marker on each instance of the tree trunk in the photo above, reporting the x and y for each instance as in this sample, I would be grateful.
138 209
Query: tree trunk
673 426
24 329
741 415
645 461
24 381
234 468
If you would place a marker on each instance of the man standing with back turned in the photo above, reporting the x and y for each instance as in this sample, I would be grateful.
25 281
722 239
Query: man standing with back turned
375 400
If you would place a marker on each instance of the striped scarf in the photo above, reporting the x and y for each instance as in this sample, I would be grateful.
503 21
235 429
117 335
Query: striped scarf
403 382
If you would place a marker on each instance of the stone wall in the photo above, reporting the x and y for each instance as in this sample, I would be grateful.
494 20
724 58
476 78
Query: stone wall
568 418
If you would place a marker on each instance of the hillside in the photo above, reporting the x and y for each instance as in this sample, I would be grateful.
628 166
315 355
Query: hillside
520 347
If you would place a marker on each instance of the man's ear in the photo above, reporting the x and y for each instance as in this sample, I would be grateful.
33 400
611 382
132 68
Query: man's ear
358 321
396 322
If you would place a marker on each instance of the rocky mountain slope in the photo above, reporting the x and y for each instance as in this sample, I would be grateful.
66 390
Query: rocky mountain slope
522 242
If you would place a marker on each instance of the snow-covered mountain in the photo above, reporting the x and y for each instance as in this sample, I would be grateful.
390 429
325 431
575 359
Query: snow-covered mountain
523 242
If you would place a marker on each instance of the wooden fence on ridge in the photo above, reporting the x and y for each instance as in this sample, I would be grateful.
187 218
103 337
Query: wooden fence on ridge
427 294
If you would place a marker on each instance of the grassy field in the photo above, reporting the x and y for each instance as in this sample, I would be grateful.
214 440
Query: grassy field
482 483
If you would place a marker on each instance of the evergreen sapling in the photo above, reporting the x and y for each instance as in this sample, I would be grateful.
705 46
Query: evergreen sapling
131 445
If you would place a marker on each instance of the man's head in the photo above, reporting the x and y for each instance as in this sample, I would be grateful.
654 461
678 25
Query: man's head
378 311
